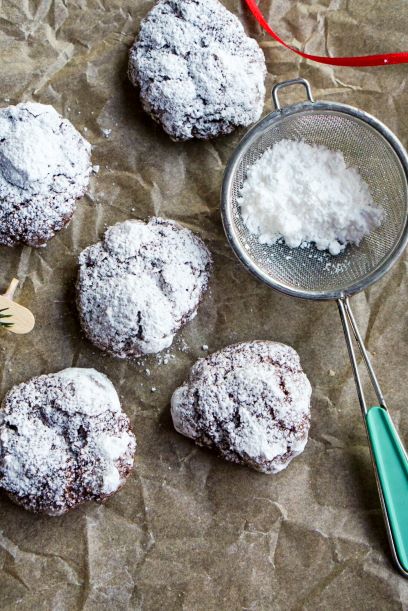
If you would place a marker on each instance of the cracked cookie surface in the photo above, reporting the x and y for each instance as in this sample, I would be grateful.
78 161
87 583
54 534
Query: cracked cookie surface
199 74
64 440
140 284
250 402
44 167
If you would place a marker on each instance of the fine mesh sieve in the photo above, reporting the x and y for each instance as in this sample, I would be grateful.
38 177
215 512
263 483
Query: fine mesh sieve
366 145
381 160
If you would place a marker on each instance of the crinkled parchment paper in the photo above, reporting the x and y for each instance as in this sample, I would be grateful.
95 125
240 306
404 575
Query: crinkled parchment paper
189 531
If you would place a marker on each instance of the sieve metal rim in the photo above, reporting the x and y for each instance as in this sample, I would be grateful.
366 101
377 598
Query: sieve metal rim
226 209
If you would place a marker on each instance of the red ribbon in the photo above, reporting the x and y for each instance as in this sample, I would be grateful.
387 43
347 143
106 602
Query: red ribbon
361 60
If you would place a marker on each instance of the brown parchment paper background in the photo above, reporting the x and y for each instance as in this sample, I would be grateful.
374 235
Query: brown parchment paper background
189 531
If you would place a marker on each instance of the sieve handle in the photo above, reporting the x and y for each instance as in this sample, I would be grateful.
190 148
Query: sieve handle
392 476
295 81
389 458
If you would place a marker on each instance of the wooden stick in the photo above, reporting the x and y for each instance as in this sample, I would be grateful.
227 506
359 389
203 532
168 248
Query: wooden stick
9 294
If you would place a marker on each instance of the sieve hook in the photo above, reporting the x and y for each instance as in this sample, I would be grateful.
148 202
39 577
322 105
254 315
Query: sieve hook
388 455
295 81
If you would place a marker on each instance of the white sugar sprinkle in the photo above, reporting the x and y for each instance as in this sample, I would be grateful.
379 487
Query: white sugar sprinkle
304 193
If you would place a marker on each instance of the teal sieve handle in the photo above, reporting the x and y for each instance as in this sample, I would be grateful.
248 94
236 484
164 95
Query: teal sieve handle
392 468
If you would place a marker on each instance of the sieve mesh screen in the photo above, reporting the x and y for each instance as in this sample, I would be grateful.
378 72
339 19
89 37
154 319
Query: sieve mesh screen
365 148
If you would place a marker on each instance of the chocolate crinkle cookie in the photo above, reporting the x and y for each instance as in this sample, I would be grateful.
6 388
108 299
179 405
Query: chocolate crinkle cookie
250 402
199 74
64 440
140 285
44 167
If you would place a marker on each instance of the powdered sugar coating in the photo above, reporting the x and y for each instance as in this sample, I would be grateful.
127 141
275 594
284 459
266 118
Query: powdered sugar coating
250 402
44 167
140 285
199 74
64 439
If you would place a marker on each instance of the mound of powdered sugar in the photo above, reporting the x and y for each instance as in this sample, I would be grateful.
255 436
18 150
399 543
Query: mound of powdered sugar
64 439
44 167
250 402
141 284
303 194
199 74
